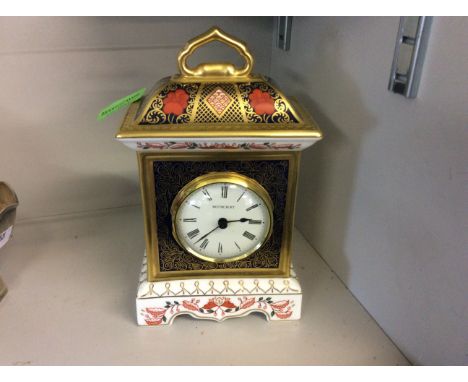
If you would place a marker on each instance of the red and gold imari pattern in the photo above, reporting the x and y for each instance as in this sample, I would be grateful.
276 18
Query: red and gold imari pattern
263 104
173 105
251 102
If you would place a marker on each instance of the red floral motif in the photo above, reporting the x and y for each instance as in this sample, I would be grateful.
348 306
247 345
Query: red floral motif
217 305
219 302
259 146
284 315
190 305
262 102
175 102
227 146
281 309
246 302
178 146
154 316
279 305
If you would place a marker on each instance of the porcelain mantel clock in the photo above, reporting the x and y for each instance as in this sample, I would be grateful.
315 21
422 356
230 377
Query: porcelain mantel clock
218 151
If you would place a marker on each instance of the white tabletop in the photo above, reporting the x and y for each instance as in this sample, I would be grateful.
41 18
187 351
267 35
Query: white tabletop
71 301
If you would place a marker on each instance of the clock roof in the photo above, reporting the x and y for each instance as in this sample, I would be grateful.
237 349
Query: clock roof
216 100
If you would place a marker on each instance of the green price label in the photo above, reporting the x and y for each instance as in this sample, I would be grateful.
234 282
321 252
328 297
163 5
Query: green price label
114 106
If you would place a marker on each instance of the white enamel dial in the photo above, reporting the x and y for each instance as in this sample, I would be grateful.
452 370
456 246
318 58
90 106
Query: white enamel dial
223 221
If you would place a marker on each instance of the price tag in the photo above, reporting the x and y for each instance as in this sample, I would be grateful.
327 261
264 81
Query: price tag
114 106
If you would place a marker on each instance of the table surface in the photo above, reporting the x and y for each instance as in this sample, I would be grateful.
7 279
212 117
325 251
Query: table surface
71 301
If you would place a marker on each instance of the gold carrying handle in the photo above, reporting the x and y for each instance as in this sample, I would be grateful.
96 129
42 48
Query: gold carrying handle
220 69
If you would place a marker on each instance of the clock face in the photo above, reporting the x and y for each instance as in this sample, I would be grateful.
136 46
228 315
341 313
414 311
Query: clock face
223 217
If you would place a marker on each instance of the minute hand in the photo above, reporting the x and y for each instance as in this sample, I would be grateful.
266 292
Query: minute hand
214 229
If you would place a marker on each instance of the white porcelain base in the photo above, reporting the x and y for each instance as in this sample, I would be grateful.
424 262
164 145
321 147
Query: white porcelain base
158 303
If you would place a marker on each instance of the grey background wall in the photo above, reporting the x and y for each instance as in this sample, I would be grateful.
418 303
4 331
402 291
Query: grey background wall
57 73
383 197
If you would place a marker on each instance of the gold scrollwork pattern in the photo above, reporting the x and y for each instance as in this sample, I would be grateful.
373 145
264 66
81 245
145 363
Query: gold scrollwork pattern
281 114
155 114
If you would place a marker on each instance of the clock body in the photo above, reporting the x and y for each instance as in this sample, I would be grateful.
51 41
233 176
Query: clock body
218 151
256 188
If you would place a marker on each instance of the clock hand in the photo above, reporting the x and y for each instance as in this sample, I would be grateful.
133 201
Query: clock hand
222 223
242 220
214 229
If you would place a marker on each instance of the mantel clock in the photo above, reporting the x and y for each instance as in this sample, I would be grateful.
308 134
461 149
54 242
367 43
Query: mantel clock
218 151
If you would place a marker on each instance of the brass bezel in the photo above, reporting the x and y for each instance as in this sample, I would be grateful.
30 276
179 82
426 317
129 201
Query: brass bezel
214 178
145 161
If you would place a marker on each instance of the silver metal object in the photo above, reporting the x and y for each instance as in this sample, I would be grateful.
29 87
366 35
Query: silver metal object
408 58
284 25
8 204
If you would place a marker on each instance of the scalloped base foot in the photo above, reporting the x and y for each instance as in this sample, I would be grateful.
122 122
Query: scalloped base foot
159 303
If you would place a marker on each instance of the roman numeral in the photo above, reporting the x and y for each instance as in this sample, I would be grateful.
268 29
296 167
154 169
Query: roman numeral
194 205
252 207
207 194
220 248
248 235
252 221
204 244
193 233
237 245
241 196
190 220
224 191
